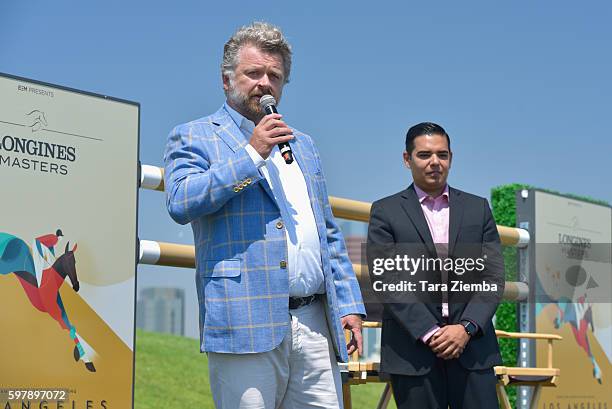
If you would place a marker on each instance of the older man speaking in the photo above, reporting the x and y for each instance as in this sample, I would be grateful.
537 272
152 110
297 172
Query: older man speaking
274 281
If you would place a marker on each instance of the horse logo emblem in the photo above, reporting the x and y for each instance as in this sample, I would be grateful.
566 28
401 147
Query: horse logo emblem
39 120
41 274
579 316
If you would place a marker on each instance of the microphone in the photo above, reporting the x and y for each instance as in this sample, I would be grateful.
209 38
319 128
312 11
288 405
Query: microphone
268 105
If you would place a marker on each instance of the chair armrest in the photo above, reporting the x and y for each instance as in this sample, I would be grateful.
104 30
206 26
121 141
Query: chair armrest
530 335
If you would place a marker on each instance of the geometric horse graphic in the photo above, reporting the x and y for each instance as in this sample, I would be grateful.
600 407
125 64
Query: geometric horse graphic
579 315
42 285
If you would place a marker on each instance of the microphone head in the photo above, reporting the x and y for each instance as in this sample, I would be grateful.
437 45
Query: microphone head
266 101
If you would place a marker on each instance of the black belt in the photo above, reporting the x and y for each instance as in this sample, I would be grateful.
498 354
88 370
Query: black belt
297 302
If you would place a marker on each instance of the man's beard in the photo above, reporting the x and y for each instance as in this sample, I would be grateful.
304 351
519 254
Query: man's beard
244 104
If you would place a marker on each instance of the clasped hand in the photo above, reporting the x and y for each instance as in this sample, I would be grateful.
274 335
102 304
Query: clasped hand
449 342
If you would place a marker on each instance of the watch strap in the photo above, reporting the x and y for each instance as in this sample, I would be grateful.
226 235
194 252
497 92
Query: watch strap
469 327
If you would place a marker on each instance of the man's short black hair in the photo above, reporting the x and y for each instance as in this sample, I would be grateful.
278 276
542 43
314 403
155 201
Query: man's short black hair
424 128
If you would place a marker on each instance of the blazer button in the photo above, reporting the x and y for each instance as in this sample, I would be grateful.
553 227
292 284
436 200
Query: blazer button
249 180
279 224
236 189
283 264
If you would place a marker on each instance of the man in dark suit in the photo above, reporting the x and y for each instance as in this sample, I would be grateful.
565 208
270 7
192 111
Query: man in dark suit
438 343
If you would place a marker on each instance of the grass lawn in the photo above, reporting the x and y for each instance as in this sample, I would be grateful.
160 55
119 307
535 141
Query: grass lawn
171 373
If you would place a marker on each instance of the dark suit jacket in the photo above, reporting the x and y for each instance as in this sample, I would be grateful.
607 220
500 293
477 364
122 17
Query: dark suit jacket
399 219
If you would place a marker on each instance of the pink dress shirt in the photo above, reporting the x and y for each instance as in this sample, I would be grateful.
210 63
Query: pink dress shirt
436 212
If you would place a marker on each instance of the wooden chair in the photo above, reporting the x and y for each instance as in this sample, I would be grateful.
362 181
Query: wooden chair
356 372
535 377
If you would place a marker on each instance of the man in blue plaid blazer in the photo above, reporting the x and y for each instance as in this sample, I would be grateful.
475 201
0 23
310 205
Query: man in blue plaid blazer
274 281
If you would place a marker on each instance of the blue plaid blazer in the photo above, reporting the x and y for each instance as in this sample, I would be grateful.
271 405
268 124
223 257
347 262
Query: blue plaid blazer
241 251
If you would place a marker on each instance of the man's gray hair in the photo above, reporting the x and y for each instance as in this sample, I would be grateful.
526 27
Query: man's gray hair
265 37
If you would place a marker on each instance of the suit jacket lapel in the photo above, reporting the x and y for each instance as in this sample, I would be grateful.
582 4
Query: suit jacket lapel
412 206
303 159
455 208
297 154
300 159
229 132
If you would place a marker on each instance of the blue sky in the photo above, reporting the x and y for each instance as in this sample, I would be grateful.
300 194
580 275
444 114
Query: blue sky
523 88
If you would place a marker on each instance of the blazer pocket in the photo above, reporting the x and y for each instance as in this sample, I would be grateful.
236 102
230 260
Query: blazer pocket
221 268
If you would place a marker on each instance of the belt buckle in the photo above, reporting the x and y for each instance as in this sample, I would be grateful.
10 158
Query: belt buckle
301 301
309 300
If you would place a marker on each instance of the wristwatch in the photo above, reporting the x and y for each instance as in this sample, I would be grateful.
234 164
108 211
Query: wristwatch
469 327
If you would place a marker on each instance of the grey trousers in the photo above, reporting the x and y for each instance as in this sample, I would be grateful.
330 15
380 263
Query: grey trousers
300 373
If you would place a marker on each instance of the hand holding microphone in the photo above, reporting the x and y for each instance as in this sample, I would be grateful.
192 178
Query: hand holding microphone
271 131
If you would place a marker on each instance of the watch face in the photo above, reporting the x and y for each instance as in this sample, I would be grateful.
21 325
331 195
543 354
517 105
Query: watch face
469 328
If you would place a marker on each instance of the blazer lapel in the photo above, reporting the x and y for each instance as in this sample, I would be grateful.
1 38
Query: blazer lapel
297 154
266 187
229 132
303 159
300 159
412 206
455 208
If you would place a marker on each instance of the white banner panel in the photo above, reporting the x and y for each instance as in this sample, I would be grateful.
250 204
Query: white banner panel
573 298
68 233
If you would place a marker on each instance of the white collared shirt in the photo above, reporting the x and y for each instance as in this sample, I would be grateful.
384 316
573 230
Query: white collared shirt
291 193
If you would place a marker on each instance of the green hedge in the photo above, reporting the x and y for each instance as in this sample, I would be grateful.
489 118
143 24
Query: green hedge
503 201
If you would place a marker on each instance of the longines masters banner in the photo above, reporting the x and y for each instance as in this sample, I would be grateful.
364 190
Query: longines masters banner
572 275
68 174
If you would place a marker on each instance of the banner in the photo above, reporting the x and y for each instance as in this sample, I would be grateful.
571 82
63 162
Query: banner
573 293
68 234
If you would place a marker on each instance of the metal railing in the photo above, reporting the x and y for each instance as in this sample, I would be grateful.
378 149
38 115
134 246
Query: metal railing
182 255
